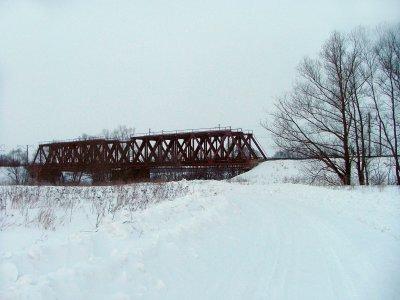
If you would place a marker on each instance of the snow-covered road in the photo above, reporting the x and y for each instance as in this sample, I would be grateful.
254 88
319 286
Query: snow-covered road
222 241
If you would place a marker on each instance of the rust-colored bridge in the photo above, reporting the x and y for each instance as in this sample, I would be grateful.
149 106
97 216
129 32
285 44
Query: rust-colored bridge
213 153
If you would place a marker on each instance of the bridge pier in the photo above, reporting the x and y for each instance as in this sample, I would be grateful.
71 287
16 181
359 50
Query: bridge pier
130 175
46 175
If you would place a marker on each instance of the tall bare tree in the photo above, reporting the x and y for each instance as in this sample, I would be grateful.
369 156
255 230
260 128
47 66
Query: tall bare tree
316 118
384 89
344 101
360 106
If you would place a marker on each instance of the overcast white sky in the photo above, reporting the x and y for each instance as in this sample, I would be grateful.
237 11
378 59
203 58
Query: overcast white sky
68 67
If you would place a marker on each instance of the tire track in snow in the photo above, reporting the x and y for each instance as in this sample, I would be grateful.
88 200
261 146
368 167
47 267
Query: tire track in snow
323 250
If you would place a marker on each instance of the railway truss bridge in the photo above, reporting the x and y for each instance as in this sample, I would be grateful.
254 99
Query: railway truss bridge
191 154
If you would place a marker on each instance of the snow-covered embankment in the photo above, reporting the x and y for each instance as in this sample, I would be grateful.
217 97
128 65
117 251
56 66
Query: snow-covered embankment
235 240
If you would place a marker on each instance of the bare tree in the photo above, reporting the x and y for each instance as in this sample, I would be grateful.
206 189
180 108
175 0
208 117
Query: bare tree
344 104
16 171
360 109
122 132
316 118
383 78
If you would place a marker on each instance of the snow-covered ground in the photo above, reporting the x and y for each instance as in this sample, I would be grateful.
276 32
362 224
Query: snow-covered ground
253 237
381 171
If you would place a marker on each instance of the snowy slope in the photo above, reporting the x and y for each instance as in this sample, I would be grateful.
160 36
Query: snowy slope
278 171
381 171
208 240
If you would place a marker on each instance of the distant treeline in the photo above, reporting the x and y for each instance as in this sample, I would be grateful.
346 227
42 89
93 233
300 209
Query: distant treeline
10 161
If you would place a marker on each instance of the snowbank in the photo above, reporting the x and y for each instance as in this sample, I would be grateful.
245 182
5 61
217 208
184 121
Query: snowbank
381 171
202 239
277 171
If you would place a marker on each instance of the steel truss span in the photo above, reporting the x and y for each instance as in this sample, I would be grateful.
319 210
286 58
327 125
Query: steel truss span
202 154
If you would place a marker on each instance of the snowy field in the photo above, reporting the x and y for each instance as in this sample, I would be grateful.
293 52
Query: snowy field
253 237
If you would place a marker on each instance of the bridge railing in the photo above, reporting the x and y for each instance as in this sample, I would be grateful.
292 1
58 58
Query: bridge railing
92 138
197 130
149 133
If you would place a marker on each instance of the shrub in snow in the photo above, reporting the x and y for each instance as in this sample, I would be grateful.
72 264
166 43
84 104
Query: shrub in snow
46 218
51 206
